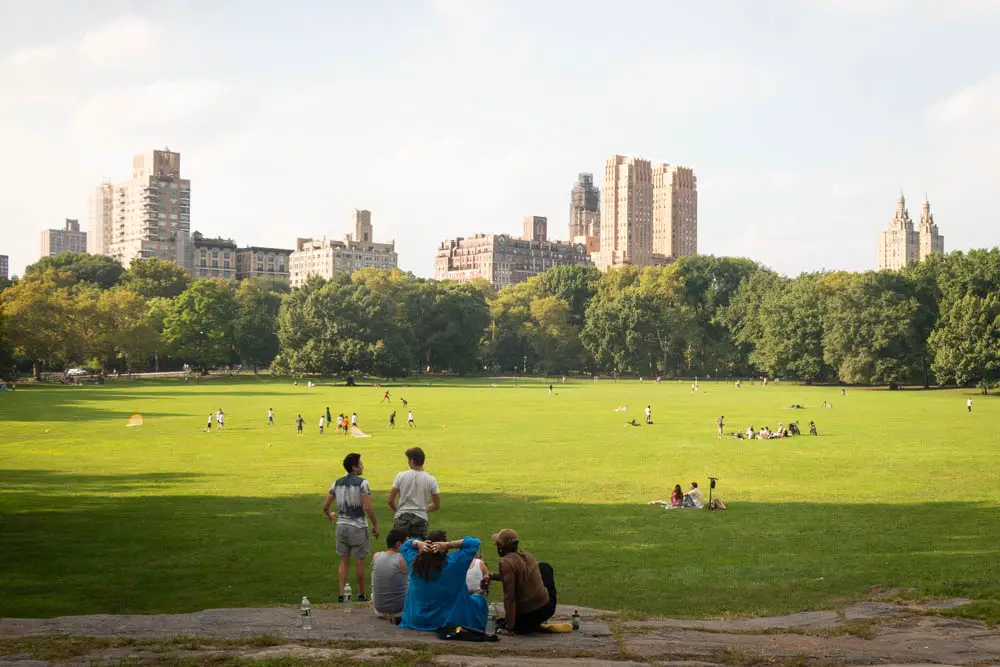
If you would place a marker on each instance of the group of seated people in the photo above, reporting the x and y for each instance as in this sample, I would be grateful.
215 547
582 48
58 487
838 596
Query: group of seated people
765 433
433 583
679 499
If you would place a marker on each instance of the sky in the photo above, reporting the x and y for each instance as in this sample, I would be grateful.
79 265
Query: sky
803 120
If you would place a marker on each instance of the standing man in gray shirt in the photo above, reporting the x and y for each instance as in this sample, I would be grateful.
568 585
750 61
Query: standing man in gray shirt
413 496
354 502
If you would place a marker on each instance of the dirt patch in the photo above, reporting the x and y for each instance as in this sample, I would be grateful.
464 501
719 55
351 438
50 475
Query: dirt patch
860 633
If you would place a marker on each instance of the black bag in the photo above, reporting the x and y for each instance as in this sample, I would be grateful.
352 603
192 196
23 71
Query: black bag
465 634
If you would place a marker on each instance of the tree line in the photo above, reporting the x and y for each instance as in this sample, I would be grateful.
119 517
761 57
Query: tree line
935 322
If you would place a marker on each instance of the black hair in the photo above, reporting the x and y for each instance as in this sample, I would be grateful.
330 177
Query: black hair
394 537
351 461
428 565
416 455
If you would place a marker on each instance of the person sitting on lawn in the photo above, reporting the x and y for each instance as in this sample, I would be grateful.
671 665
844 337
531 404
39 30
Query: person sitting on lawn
693 497
438 596
751 434
676 499
390 577
812 428
529 588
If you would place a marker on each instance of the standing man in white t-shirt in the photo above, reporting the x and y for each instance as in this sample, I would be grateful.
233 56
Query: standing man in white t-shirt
414 494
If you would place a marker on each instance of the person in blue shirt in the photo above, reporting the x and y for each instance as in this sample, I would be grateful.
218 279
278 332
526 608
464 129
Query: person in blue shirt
437 596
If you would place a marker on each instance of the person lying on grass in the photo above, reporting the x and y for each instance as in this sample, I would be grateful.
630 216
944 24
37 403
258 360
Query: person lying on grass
437 596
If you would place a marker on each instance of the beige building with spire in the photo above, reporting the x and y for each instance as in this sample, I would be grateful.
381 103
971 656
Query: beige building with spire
901 244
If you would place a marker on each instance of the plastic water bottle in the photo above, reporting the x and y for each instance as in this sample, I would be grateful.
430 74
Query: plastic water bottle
347 597
576 619
307 622
491 622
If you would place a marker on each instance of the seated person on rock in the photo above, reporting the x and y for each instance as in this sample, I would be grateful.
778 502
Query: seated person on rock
390 576
437 596
529 589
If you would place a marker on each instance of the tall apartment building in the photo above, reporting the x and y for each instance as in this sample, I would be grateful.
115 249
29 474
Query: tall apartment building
213 258
147 216
626 213
324 258
503 260
900 244
675 211
4 267
67 239
584 208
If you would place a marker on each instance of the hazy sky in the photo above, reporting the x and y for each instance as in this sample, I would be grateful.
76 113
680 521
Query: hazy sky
802 120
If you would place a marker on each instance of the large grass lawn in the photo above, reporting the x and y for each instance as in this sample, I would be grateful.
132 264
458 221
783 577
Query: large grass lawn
901 489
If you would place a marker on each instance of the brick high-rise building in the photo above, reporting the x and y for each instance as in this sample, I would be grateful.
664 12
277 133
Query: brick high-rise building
504 260
67 239
901 244
675 211
626 213
147 216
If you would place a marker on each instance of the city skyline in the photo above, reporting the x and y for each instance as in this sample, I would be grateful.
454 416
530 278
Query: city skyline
797 141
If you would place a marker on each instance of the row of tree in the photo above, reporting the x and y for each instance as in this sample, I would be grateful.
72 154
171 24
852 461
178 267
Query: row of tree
934 322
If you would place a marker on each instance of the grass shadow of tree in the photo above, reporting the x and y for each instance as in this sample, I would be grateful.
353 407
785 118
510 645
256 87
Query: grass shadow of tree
143 544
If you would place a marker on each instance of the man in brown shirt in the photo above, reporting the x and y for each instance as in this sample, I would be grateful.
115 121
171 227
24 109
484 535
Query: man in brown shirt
529 590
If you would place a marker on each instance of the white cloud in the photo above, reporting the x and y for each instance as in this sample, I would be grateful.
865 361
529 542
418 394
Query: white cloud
467 15
937 10
709 79
155 104
118 44
974 107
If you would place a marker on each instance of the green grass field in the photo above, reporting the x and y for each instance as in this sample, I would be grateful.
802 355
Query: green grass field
900 490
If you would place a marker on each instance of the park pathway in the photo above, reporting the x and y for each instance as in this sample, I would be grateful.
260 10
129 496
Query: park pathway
862 633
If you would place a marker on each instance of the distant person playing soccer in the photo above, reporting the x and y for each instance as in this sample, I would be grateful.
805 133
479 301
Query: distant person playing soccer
404 402
720 423
220 417
392 419
298 424
649 414
409 419
843 391
340 422
354 420
414 495
550 390
208 426
385 397
354 502
968 405
322 423
329 418
270 416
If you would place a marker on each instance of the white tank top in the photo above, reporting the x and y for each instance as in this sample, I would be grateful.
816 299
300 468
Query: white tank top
474 576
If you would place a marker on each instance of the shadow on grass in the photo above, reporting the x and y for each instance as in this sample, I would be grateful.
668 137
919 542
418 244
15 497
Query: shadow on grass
74 544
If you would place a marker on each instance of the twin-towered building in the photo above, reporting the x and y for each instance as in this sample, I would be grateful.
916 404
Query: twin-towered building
901 244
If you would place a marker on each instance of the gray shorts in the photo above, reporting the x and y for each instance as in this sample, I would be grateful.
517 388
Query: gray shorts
352 541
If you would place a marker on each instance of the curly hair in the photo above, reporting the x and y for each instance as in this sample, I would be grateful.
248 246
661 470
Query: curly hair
428 564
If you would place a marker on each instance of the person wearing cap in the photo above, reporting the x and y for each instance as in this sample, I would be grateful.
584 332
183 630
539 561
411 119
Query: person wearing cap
529 590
